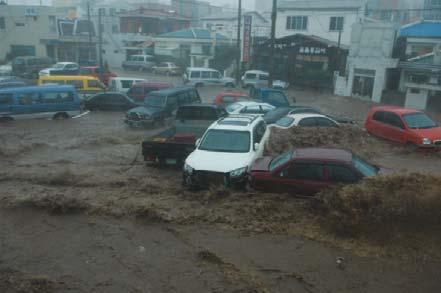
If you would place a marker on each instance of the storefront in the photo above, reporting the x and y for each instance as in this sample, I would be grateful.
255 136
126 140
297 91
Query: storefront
303 60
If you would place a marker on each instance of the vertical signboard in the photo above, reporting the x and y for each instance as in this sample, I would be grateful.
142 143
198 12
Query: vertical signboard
247 21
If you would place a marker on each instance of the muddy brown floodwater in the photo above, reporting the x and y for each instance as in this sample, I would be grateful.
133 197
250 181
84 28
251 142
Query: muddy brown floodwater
80 212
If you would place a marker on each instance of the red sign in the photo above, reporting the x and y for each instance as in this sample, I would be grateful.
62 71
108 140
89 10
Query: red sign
247 20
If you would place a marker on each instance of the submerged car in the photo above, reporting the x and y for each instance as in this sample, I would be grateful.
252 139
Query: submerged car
110 101
307 171
225 152
305 120
409 127
229 97
167 68
259 78
277 114
247 107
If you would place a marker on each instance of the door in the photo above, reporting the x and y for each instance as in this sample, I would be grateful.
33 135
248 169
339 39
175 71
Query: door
306 178
394 128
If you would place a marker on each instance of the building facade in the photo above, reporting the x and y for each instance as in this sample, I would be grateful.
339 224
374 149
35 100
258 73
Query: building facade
432 10
23 29
369 62
328 19
226 24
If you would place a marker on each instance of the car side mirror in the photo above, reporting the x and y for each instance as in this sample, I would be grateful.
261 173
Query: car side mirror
198 142
256 146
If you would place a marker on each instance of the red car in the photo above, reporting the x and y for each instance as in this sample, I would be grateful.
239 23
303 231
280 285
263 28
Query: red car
309 170
227 98
404 126
140 90
95 72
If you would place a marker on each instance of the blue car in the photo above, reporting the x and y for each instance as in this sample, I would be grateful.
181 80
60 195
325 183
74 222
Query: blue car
271 96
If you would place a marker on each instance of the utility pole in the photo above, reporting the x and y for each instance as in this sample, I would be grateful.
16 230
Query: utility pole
239 55
90 30
272 43
100 43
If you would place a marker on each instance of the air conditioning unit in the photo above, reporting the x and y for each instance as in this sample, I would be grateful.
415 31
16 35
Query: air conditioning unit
31 12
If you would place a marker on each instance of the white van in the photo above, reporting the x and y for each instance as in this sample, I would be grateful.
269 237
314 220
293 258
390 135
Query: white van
123 84
139 62
259 78
206 76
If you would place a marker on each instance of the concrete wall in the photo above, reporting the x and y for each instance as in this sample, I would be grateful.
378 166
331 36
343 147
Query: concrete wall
33 30
318 23
371 49
417 100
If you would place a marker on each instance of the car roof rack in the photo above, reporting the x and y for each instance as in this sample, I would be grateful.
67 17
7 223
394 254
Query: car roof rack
240 120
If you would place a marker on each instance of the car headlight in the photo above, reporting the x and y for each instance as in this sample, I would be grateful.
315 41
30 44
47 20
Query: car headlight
188 169
426 141
238 172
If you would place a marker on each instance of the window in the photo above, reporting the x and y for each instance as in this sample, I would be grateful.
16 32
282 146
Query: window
19 24
277 98
378 116
115 28
304 171
183 98
250 76
297 23
308 122
30 99
266 108
336 23
394 120
54 98
52 24
215 75
226 141
6 99
93 83
414 91
71 66
251 110
205 74
263 77
2 23
112 11
125 84
259 131
324 122
285 122
341 174
85 71
195 74
172 102
78 84
194 96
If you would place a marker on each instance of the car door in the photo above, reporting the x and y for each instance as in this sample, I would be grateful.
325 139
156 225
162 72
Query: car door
259 136
308 122
378 124
305 178
206 77
394 128
171 105
119 103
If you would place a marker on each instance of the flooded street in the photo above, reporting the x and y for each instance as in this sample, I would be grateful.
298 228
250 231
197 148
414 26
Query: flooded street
82 213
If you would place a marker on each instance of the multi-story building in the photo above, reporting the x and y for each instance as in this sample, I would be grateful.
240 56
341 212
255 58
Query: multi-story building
194 9
27 31
328 19
226 24
395 11
432 9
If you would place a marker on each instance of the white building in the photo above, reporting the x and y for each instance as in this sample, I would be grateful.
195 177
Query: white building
226 24
370 57
323 18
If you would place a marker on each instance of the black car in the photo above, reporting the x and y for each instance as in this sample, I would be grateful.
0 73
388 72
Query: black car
276 114
110 101
160 105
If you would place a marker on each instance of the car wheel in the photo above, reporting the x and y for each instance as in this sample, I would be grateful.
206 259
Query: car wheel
60 116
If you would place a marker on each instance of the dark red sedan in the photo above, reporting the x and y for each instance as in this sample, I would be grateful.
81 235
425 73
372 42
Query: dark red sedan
404 126
309 170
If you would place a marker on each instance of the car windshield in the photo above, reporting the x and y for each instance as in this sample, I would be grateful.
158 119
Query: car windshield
285 122
154 101
226 141
58 66
280 160
364 167
419 121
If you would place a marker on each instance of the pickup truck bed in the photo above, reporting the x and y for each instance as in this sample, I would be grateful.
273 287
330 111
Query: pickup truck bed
173 145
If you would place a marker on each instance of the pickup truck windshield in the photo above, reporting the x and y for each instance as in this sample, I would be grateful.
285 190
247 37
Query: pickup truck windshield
226 141
154 101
